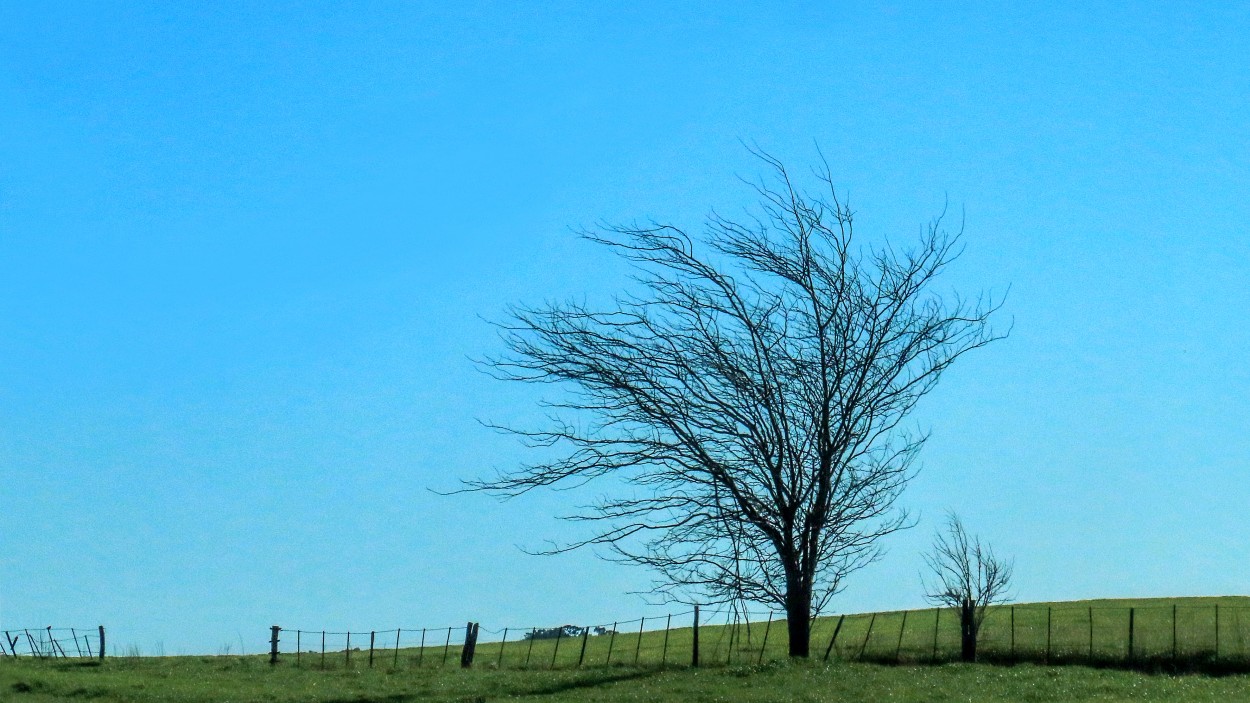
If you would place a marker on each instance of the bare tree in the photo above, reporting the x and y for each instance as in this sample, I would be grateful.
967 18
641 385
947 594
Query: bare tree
748 396
969 578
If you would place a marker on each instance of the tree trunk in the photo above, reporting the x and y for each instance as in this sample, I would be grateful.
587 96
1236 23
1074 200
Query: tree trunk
967 633
799 621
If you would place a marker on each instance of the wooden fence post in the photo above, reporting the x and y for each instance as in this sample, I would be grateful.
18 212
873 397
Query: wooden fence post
101 643
1013 633
447 646
694 661
638 647
421 651
937 628
470 645
585 637
273 643
836 629
298 646
864 646
530 649
764 644
556 649
1091 632
1217 630
373 636
72 632
901 629
499 663
323 649
347 650
611 641
395 661
664 653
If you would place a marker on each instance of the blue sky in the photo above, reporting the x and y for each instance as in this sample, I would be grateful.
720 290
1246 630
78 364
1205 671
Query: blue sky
245 251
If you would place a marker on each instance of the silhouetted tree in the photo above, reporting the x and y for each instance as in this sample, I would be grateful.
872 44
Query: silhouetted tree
969 578
752 394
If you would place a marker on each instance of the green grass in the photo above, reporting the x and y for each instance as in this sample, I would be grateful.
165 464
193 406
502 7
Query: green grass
897 652
245 679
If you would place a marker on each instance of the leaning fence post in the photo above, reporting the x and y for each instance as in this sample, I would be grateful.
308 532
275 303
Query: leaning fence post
421 652
273 643
585 636
499 664
556 650
864 646
764 644
611 641
695 651
77 648
837 628
395 662
447 646
638 647
937 622
348 649
529 650
667 624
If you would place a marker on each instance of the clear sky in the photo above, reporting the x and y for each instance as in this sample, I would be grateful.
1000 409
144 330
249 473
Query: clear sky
245 250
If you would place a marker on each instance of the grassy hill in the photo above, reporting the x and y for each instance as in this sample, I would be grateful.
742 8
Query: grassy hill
416 675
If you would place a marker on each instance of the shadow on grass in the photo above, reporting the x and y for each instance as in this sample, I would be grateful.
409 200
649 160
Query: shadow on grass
1205 664
593 679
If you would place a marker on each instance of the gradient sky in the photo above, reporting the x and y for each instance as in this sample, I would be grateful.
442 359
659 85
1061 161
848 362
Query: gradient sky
246 250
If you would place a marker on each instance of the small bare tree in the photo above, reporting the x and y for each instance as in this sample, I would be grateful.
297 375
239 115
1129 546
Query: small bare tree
752 397
969 577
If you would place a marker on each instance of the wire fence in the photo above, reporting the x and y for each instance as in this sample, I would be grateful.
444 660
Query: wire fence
54 642
1179 634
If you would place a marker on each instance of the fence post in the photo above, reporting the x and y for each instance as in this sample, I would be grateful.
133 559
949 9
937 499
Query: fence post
421 651
447 646
585 637
638 648
864 646
470 645
373 635
556 650
298 647
764 644
323 649
695 652
101 643
529 650
273 643
395 661
1013 633
611 641
73 632
499 663
347 651
668 624
937 622
1217 630
1091 632
901 628
1131 612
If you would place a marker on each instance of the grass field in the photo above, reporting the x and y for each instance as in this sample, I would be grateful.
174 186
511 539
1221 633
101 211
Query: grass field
245 679
898 649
